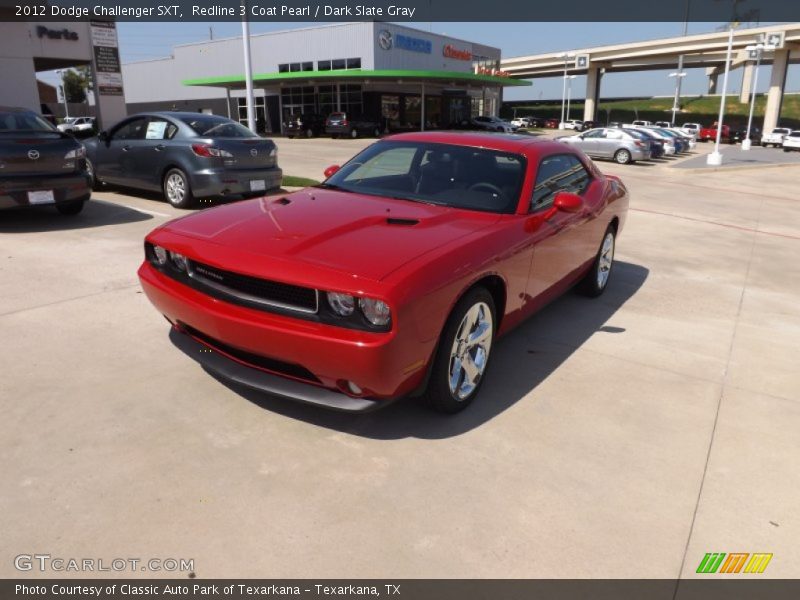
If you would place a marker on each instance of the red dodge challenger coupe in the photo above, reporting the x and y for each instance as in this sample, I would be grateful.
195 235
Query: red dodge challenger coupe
395 276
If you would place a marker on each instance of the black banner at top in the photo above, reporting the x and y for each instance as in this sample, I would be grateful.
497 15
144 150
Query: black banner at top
717 11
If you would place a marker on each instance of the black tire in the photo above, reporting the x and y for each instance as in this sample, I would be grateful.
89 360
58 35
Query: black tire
354 133
174 197
71 208
309 133
623 156
438 394
291 137
376 132
334 136
593 285
90 171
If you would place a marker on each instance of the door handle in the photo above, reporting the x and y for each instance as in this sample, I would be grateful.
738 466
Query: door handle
160 147
126 148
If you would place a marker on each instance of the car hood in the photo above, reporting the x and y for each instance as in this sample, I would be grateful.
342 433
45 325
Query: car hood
361 235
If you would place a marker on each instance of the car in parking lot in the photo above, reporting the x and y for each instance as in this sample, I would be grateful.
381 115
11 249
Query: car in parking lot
656 143
552 123
304 125
393 277
691 128
611 143
710 133
40 165
493 124
775 137
77 125
739 134
791 142
341 124
185 156
573 124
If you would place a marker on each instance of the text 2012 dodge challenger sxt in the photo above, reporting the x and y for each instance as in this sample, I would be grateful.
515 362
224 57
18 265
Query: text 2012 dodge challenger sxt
395 276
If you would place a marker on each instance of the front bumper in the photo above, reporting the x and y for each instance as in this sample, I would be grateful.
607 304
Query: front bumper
308 354
222 182
65 188
263 381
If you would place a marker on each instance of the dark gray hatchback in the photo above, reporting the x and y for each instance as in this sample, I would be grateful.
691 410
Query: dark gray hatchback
186 156
40 165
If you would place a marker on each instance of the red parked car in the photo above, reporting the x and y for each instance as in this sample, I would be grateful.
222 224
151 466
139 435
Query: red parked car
710 133
395 276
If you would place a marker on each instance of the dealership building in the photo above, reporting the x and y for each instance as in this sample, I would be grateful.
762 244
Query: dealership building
30 48
409 78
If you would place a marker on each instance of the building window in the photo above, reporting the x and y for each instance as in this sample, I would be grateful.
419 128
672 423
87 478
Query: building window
323 65
308 66
339 63
353 63
284 68
294 67
390 111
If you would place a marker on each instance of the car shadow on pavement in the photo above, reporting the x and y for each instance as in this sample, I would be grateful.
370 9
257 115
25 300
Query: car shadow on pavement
47 218
522 360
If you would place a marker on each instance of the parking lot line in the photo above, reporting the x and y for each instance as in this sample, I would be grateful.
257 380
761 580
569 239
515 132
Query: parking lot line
139 210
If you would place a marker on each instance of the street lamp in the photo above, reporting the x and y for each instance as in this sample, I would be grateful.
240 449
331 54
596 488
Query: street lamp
569 91
753 50
715 158
63 92
248 70
678 75
566 56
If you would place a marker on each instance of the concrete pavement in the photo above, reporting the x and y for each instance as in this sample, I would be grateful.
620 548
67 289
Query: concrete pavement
619 437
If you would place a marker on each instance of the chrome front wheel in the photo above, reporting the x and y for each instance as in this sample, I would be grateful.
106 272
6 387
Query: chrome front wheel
469 353
177 190
605 260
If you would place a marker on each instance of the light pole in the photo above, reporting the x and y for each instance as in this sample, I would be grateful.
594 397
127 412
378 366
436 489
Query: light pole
757 50
715 158
63 93
248 70
678 75
569 92
566 56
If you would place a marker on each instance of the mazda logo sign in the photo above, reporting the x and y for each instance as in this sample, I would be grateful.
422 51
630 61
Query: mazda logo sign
385 39
33 154
253 152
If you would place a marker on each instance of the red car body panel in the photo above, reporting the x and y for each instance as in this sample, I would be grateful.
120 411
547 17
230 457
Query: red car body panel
339 241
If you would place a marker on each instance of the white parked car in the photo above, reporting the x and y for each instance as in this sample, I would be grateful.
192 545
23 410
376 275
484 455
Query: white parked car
791 141
666 124
76 124
520 122
574 124
642 124
494 124
775 137
691 129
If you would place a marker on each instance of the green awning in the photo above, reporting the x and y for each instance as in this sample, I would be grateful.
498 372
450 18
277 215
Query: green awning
299 77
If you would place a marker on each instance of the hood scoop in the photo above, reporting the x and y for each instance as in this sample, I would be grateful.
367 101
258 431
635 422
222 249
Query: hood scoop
402 222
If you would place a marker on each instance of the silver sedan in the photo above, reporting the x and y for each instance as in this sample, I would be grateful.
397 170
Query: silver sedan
611 143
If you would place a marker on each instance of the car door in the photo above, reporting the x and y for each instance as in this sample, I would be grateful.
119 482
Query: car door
148 155
113 160
560 244
612 141
591 140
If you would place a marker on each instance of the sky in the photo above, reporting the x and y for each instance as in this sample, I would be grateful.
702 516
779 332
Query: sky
141 41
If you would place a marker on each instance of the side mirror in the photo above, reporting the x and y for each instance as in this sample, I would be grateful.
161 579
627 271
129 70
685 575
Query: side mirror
568 202
330 171
102 136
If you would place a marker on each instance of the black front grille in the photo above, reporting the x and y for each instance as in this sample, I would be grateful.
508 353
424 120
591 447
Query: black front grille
262 362
273 293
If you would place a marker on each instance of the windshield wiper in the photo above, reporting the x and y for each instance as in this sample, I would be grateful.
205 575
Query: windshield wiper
332 186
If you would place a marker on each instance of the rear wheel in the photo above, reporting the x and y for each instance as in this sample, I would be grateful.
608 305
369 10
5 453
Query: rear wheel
177 190
354 133
463 354
334 136
73 207
90 171
596 280
622 156
309 133
376 132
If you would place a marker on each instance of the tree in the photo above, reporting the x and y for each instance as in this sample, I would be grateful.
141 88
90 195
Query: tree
76 83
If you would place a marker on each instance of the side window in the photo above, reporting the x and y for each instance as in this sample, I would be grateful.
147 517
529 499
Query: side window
160 129
132 130
558 173
595 134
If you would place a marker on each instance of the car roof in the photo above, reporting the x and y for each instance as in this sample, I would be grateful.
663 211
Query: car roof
504 142
16 109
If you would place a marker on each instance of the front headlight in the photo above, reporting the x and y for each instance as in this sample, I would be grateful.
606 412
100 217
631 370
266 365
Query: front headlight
179 260
79 152
160 255
376 311
342 304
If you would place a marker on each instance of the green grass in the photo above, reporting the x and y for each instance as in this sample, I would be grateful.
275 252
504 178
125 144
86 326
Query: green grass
703 109
292 181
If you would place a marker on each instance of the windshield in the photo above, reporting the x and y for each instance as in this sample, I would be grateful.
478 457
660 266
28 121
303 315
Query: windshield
443 174
217 127
23 121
